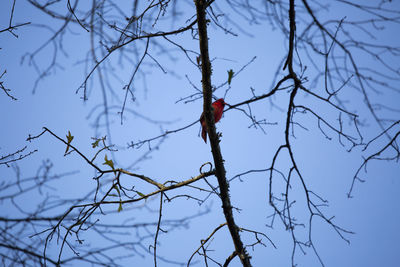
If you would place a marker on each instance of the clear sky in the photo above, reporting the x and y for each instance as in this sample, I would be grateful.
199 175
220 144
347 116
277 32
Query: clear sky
372 214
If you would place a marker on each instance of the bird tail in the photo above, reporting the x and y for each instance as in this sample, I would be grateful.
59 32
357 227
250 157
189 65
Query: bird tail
204 134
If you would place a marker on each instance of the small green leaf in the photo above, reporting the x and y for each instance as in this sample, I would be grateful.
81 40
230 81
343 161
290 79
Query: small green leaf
230 76
109 162
141 194
96 143
69 140
116 188
120 207
69 137
113 195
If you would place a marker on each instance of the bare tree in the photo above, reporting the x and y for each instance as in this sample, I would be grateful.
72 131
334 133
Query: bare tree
336 78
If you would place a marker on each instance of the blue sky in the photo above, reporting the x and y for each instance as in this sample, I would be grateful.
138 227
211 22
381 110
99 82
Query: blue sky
328 168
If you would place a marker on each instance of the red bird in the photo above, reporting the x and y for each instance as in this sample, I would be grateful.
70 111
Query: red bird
218 109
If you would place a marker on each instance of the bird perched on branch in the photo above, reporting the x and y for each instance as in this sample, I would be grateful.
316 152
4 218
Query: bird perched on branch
218 109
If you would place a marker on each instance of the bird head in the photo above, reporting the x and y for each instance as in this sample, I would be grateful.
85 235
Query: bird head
220 102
